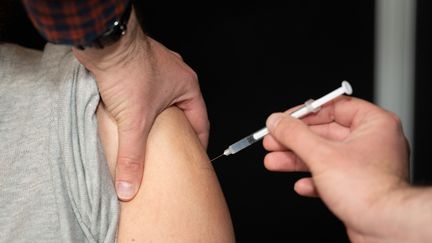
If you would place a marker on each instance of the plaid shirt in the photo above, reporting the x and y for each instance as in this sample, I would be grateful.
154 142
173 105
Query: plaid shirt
73 22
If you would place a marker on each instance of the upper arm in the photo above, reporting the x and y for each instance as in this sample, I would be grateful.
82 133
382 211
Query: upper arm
180 199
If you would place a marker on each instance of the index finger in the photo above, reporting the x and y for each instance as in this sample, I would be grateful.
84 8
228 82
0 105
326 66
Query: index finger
196 112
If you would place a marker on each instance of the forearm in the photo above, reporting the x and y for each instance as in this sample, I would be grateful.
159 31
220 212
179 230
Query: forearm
415 214
116 55
404 215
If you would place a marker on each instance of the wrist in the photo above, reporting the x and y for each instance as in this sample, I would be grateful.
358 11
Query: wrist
118 53
405 216
416 214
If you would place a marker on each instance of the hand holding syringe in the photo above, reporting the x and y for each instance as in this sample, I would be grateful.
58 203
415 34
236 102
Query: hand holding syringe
309 106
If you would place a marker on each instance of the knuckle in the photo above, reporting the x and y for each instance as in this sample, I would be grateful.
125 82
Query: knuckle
129 164
190 81
177 54
193 75
393 121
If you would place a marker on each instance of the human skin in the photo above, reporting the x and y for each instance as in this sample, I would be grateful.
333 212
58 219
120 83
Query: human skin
180 199
358 158
138 78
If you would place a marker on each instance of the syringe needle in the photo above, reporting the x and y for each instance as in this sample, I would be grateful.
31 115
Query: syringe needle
216 157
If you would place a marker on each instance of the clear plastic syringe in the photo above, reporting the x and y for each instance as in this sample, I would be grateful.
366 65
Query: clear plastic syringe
309 106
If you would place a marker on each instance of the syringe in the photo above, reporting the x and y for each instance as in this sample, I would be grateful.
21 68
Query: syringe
309 106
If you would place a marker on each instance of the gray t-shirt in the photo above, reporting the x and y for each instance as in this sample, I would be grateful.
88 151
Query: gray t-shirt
55 184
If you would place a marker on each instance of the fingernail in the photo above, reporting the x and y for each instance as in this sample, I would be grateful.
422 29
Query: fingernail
273 120
125 190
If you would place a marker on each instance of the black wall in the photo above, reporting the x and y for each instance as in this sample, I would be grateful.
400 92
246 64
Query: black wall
423 115
15 26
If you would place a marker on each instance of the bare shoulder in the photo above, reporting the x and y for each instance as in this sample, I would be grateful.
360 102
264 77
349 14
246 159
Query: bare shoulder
180 199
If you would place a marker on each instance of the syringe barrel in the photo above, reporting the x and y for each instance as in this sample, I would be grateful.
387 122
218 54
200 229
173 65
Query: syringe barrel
241 144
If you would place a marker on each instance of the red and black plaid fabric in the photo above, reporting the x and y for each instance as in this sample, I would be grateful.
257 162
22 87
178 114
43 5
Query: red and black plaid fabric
73 22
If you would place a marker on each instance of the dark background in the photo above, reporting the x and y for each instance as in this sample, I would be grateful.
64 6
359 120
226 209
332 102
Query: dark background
423 115
258 57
